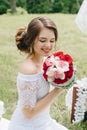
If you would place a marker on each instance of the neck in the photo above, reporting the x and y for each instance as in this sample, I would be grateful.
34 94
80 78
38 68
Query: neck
37 59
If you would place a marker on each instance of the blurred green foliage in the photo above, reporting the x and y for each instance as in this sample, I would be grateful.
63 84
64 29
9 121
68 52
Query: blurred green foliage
41 6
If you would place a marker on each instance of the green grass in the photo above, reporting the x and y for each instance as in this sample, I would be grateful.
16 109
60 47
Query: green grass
70 40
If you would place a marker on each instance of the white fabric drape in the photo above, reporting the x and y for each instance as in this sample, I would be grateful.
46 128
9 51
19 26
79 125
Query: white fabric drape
81 18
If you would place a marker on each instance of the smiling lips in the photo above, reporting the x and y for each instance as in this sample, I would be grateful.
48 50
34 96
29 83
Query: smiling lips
46 50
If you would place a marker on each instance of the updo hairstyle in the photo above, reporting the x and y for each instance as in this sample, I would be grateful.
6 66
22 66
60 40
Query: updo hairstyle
26 36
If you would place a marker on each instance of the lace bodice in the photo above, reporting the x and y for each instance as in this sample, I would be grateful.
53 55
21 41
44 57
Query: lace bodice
31 88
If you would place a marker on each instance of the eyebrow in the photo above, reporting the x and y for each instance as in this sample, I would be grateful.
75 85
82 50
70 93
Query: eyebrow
46 38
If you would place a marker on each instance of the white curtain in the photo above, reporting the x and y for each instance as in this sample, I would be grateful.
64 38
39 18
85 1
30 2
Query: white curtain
81 18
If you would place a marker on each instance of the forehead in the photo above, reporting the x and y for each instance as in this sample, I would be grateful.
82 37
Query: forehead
45 32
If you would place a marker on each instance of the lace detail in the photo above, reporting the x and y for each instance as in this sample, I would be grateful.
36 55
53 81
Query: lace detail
30 89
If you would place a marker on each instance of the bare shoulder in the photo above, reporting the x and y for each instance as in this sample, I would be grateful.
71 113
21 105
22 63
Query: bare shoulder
27 67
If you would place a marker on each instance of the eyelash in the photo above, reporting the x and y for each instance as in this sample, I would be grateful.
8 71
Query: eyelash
45 41
42 40
52 41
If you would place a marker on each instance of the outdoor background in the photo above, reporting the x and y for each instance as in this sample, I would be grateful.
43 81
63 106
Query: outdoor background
70 40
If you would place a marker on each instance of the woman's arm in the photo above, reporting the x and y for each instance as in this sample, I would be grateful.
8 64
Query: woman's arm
42 103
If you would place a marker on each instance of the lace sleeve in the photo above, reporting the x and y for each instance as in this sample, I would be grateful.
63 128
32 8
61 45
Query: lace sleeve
27 92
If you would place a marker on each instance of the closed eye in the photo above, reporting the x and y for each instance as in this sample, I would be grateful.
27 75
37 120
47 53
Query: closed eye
42 41
52 41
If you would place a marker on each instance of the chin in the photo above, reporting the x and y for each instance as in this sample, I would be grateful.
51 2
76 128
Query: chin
46 54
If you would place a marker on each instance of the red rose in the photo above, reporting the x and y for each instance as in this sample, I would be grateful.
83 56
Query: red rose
68 58
59 54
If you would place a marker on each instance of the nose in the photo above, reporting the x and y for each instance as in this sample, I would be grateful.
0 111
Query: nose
48 44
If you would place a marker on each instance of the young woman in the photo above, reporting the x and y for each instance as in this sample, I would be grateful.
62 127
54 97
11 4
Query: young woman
34 94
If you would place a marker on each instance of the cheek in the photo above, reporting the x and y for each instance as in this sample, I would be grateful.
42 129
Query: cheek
37 47
54 44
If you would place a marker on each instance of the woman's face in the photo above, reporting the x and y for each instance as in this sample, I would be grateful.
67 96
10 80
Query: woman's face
45 42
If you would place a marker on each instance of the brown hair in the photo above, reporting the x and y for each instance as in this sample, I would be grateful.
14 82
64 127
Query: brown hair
25 37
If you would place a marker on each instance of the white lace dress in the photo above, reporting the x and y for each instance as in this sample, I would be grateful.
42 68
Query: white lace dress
30 89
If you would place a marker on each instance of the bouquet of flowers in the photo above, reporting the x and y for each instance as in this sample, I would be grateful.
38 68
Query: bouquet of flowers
58 69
